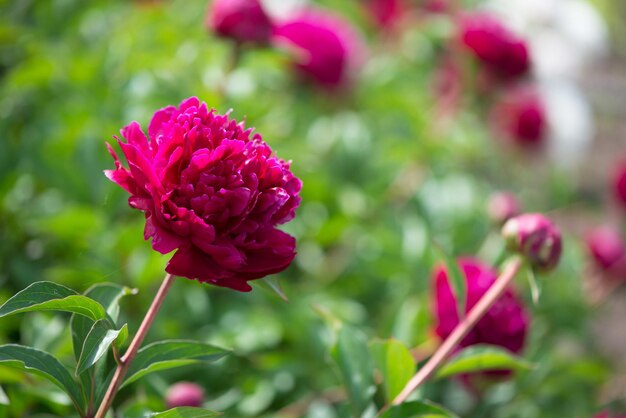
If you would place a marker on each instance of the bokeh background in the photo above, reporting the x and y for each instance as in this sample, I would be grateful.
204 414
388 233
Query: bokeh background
386 177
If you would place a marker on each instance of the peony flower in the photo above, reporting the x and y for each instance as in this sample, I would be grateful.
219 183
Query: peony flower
502 52
326 48
504 325
536 238
520 116
386 13
608 251
502 206
435 6
619 183
213 191
184 394
240 20
608 414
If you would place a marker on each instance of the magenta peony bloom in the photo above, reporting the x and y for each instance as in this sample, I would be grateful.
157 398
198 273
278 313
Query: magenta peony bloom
386 13
184 394
502 206
502 52
520 116
326 48
536 238
619 183
213 191
504 325
608 251
241 20
609 414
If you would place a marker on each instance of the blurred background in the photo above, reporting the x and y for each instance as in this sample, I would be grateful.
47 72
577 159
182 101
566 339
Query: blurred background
401 153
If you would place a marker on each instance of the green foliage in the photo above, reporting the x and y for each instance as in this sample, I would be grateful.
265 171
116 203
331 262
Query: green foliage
395 363
186 412
479 357
416 409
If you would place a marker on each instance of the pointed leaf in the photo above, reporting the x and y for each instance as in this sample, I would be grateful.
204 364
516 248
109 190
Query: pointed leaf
121 338
96 344
186 412
168 354
271 284
481 357
42 364
395 363
4 399
417 409
355 364
455 276
48 296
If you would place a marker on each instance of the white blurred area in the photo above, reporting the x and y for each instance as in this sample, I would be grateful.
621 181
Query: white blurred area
566 38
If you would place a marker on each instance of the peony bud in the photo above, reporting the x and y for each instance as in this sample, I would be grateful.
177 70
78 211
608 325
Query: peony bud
502 206
619 183
520 117
536 238
608 251
386 13
184 394
326 49
502 52
241 20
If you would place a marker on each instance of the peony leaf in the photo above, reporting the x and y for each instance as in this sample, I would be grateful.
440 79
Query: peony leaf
395 363
98 341
48 296
45 365
186 412
415 409
483 357
271 284
456 276
169 354
355 364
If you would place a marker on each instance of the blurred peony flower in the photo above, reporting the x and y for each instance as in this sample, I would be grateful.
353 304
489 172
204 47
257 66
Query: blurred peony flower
435 6
502 206
386 13
608 251
519 116
503 53
535 237
326 48
504 325
184 394
211 190
240 20
608 414
619 183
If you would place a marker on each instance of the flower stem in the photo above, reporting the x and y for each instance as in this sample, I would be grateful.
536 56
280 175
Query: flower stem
127 358
461 330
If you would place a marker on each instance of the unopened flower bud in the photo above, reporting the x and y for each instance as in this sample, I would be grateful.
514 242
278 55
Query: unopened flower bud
240 20
502 206
535 237
184 394
608 251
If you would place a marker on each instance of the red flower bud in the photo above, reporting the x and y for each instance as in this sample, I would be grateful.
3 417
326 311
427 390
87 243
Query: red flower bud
608 251
184 394
502 206
241 20
536 238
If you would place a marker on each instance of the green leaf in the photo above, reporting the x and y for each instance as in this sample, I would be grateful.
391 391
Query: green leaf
186 412
42 364
395 363
481 357
416 409
271 284
4 399
168 354
355 364
122 337
455 277
98 341
48 296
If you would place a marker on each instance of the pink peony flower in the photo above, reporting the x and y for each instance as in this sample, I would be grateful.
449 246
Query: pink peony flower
213 191
608 414
326 48
520 116
536 238
184 394
608 251
503 53
241 20
386 13
502 206
504 325
435 6
619 183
